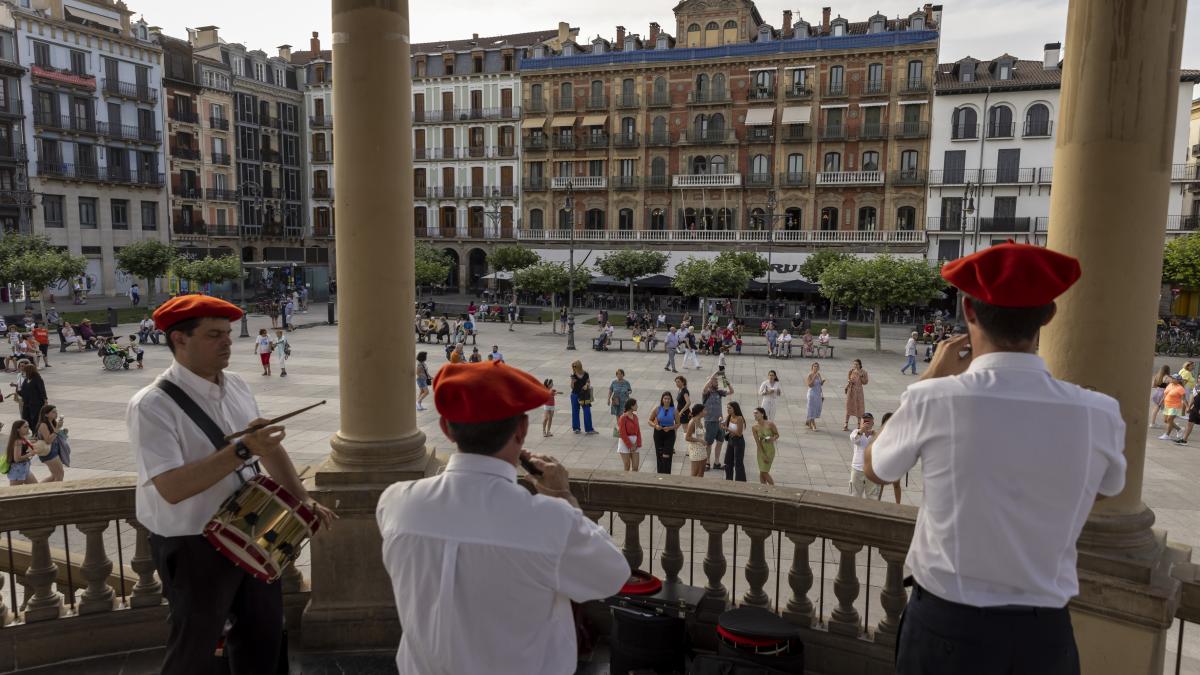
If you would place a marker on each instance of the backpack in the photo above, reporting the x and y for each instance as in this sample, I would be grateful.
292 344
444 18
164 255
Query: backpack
4 463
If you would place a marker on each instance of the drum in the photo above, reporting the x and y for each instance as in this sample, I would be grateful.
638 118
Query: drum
649 629
762 637
261 528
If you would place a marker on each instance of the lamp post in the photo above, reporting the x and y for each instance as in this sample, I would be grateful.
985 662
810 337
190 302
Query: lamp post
253 188
968 209
570 209
770 243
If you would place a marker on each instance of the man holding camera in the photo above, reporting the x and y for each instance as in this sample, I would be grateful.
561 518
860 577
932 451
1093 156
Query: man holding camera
1013 460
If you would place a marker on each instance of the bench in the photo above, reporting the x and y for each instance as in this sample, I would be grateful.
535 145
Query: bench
502 317
432 338
99 329
819 351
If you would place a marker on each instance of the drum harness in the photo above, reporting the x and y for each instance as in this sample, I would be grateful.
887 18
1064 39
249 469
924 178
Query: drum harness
202 420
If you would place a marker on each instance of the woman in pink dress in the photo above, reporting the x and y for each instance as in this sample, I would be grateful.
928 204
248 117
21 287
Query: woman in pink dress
855 402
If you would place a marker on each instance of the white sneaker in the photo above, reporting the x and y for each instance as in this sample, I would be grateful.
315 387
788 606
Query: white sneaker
1165 437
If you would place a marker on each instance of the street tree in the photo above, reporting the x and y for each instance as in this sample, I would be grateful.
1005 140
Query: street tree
754 264
1181 262
12 246
700 278
147 259
632 264
207 270
879 282
40 269
430 266
552 278
814 266
511 258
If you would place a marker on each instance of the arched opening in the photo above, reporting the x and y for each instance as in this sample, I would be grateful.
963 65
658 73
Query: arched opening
597 93
725 219
660 90
829 218
870 161
699 165
712 34
594 219
452 276
658 130
730 34
964 123
867 218
708 219
693 35
247 254
658 166
716 123
1000 122
700 126
536 219
833 162
1037 120
760 167
793 219
906 218
758 219
702 85
566 96
716 164
625 219
718 86
690 219
658 219
476 269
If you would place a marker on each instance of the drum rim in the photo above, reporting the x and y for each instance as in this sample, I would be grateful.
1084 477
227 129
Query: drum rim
647 584
289 500
213 532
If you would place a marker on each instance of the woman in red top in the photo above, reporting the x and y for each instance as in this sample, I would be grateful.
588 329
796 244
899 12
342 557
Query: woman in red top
630 441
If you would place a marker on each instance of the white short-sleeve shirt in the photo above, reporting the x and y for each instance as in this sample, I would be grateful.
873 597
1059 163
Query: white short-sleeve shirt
1012 461
165 438
484 572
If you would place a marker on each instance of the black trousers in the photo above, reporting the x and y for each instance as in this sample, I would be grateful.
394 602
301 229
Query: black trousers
204 590
664 449
938 636
735 458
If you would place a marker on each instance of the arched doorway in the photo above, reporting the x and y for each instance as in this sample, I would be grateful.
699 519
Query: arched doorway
829 218
452 277
476 269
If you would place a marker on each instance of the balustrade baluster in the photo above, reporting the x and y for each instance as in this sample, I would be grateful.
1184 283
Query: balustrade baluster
756 569
892 597
714 560
147 592
672 555
594 515
799 608
5 617
43 602
844 618
98 596
633 543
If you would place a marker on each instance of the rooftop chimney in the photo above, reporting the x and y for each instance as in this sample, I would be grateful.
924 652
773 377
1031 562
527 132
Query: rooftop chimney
474 36
205 36
787 22
564 31
1050 60
620 37
825 19
285 52
928 9
314 43
937 15
654 30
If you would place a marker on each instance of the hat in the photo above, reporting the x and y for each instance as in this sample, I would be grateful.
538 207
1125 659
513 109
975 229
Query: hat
185 307
470 393
1013 275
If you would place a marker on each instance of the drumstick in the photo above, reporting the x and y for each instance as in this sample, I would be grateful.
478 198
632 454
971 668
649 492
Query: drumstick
269 422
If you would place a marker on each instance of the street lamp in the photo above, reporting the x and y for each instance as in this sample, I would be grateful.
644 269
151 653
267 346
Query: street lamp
254 188
569 207
968 209
770 243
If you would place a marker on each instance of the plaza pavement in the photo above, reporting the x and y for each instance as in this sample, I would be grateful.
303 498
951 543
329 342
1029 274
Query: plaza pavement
94 403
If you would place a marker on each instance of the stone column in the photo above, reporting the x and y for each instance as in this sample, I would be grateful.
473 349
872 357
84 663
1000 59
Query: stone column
378 442
1112 165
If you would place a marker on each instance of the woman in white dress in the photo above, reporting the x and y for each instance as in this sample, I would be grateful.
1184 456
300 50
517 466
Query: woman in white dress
770 391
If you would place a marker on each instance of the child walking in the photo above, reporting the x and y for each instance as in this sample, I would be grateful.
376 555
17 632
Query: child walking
548 414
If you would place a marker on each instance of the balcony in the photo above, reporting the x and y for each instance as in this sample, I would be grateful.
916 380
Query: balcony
659 99
1008 176
625 101
443 153
964 132
324 156
322 193
872 132
64 76
911 130
465 114
1000 130
505 151
322 232
221 158
221 195
798 92
706 97
626 182
1183 223
657 182
479 151
535 105
850 178
1185 173
760 134
627 139
537 142
188 192
708 136
568 142
914 85
1045 175
196 228
65 123
707 180
793 180
130 91
191 154
1039 129
953 176
953 223
218 123
597 102
564 104
761 94
833 132
579 183
271 156
13 153
872 88
184 116
909 177
535 184
836 90
320 121
760 180
594 141
760 237
797 133
658 139
1004 224
93 173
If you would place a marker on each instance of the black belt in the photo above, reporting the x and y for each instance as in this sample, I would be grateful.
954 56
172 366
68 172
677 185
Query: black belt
924 595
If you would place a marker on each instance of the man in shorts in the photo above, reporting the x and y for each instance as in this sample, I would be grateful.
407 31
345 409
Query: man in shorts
714 437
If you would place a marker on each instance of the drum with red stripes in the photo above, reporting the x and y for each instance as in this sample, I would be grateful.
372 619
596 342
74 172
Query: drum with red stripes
262 528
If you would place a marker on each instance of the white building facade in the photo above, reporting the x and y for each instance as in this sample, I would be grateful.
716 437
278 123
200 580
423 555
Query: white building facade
992 154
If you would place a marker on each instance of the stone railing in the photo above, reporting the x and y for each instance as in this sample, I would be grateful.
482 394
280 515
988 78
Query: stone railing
62 594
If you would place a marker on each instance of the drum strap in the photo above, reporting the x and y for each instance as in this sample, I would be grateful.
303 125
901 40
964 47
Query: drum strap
199 417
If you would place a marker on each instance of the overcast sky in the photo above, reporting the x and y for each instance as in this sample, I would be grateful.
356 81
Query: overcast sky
979 28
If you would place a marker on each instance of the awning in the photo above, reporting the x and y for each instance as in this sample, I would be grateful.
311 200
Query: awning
93 17
760 117
533 123
594 120
563 121
653 281
801 114
502 276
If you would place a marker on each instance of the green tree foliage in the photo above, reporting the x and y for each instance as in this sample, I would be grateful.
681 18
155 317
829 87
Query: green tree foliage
1181 261
552 278
209 270
147 259
753 263
430 265
512 258
814 266
39 267
632 264
700 278
878 282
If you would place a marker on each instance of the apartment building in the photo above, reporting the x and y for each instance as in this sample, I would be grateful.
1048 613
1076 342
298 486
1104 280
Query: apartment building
993 151
734 131
314 73
16 199
95 98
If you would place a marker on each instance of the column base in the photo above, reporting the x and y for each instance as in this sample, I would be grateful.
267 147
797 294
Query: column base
403 454
351 606
1121 545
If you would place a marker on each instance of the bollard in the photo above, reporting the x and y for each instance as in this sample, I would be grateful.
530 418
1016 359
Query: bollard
112 317
843 327
329 311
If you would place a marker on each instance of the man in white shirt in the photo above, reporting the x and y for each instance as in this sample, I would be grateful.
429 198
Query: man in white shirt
1013 461
483 571
910 352
859 439
182 482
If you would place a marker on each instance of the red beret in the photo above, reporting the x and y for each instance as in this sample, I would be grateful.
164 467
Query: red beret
469 393
1013 275
184 307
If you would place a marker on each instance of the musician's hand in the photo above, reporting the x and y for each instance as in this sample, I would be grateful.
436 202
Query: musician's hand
266 440
554 475
947 360
324 514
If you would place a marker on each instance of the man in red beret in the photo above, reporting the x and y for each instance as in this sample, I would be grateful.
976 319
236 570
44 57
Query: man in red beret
186 473
1012 460
483 571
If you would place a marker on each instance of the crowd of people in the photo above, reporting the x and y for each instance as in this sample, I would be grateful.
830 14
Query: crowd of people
1174 395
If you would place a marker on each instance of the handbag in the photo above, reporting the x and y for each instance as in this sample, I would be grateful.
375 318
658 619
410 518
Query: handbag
41 448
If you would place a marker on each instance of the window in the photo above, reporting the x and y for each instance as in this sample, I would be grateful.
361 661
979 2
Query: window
916 75
712 34
660 89
220 213
764 80
870 161
760 166
702 85
1000 122
867 218
718 86
658 219
693 35
260 72
908 162
699 165
793 219
966 72
875 78
597 93
729 34
658 167
916 22
78 62
627 167
878 24
795 164
716 123
52 208
120 214
837 83
87 213
716 164
1004 71
536 219
41 54
964 123
625 219
594 219
565 95
1037 120
477 64
839 29
906 218
758 219
829 218
833 161
149 215
833 121
799 80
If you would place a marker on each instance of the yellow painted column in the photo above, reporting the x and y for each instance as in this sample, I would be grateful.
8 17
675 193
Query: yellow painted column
1112 165
378 441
